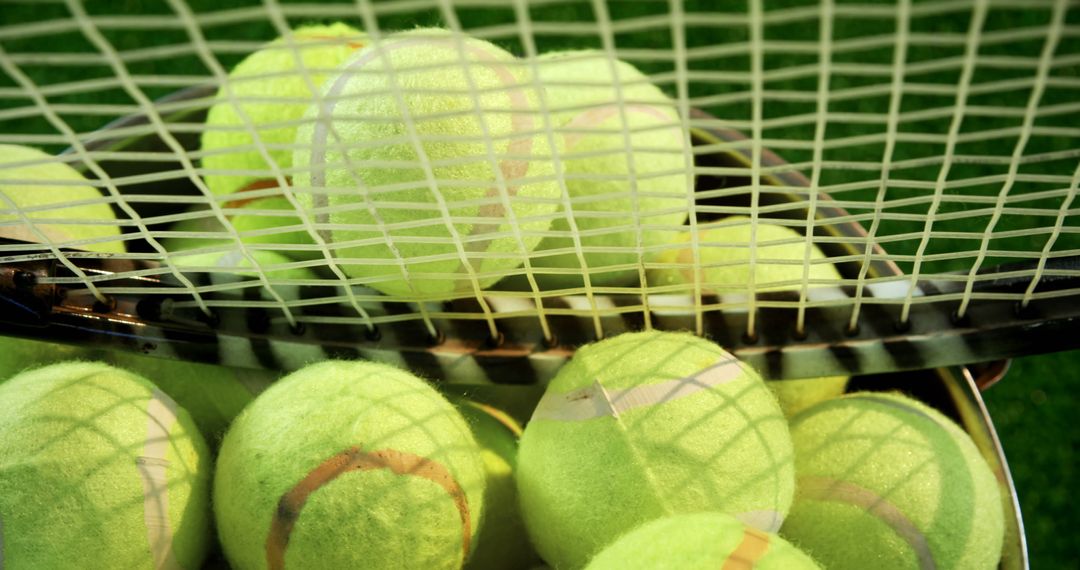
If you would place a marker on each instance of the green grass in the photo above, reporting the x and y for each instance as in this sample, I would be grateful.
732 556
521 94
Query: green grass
1032 407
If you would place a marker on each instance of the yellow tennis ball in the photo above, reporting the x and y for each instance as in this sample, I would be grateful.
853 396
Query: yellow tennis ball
887 482
99 469
271 89
212 395
248 216
57 199
644 425
421 148
797 395
349 465
234 262
700 541
619 155
502 541
724 254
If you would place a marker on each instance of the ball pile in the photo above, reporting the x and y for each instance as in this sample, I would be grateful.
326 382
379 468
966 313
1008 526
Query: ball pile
430 165
648 450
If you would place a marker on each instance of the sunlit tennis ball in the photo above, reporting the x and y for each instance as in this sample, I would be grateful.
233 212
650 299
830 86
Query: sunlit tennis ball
349 465
99 469
886 482
644 425
47 193
626 164
700 541
272 90
442 143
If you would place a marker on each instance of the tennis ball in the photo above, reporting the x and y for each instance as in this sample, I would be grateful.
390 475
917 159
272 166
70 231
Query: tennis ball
700 541
273 92
60 204
796 395
603 138
253 215
724 253
273 264
348 465
99 469
435 138
644 425
212 395
502 541
886 482
18 354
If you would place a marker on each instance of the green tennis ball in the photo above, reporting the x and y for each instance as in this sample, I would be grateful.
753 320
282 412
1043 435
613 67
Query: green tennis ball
273 92
502 541
603 137
724 254
252 218
58 200
645 425
274 265
438 141
797 395
18 354
212 395
886 482
99 469
700 541
348 465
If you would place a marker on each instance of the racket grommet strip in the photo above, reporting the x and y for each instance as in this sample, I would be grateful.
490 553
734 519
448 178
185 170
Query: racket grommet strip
495 341
372 334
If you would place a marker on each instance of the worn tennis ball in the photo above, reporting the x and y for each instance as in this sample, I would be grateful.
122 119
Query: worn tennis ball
625 162
212 395
99 469
886 482
349 465
700 541
272 89
58 200
724 254
419 151
502 541
644 425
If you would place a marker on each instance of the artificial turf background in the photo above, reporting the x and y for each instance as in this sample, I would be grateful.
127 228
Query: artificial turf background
1032 408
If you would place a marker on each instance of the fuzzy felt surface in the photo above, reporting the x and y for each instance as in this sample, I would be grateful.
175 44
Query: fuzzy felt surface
718 447
75 443
700 541
886 482
367 516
